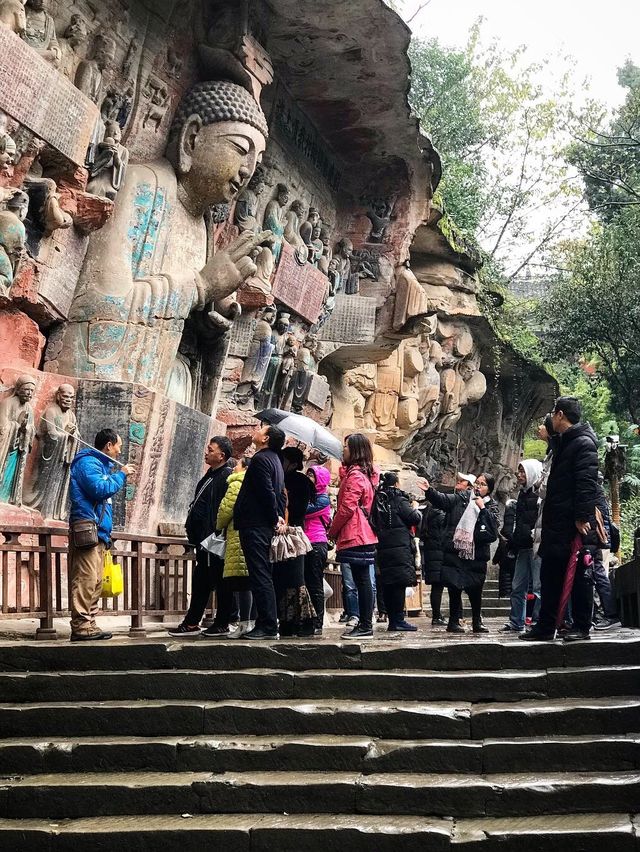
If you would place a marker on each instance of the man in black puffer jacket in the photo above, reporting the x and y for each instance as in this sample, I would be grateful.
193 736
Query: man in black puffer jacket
569 509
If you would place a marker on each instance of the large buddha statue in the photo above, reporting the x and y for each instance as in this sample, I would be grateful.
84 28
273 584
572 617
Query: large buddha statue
149 267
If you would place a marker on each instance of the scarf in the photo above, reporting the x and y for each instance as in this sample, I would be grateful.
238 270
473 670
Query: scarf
463 536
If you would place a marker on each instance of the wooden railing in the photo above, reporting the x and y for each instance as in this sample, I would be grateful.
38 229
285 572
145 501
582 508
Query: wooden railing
156 572
627 586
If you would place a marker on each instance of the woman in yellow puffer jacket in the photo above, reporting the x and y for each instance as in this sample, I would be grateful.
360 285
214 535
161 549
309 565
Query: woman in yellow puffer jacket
235 567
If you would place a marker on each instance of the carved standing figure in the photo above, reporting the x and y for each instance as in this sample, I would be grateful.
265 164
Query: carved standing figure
380 216
40 32
292 231
89 74
12 15
275 218
48 487
245 215
340 266
306 364
257 361
110 165
273 369
306 230
8 148
16 439
148 268
75 36
12 246
324 261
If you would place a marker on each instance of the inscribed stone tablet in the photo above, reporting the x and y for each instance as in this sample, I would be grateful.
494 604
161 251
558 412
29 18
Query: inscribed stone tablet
240 337
353 320
318 391
43 100
301 288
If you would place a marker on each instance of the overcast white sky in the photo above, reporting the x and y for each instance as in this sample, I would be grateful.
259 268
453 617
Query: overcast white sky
599 35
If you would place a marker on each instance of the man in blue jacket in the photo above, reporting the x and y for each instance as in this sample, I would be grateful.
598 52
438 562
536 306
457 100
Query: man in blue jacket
94 481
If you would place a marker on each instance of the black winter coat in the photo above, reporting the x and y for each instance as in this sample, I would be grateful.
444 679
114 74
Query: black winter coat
203 512
504 555
392 519
571 491
458 572
432 531
261 499
525 521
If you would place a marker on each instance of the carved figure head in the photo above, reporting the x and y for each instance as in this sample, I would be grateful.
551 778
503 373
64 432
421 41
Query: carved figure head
344 248
269 315
36 5
316 230
112 131
282 323
297 207
65 396
314 215
218 136
25 388
257 182
325 235
76 33
282 194
19 204
104 51
12 236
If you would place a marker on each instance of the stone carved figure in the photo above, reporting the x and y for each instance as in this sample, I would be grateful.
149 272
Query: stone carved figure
317 247
292 231
12 246
75 36
257 361
275 218
8 147
48 488
324 261
287 366
132 52
46 213
174 63
411 304
306 364
16 438
40 32
246 211
148 269
340 266
110 165
380 216
157 108
381 410
307 228
278 339
13 15
90 71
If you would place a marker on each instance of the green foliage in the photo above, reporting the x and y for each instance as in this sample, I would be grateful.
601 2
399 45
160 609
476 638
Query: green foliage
608 152
629 522
534 448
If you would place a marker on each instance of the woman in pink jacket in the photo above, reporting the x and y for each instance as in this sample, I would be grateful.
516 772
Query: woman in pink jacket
316 523
355 539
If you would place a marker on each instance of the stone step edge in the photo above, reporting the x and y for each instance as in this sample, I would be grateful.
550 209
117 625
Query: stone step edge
458 830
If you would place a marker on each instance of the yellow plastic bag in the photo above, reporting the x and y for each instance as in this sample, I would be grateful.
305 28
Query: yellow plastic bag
112 582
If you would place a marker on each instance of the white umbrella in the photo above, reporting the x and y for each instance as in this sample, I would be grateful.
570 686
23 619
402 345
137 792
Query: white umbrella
304 429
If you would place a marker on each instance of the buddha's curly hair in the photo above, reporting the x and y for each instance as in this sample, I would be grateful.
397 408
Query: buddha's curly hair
219 100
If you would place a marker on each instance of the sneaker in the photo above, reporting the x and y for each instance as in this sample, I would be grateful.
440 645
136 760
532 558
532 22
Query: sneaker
343 618
608 624
358 633
402 627
438 621
259 633
317 631
183 631
353 621
576 636
509 628
479 627
455 628
216 632
242 629
537 636
90 636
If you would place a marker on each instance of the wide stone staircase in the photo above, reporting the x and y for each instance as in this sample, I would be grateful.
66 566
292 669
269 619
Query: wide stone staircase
465 743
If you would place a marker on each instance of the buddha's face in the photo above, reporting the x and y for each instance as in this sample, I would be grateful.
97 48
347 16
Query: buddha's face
221 158
76 32
65 397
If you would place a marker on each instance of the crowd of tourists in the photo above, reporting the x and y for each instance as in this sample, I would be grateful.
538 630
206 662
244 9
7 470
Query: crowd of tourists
263 527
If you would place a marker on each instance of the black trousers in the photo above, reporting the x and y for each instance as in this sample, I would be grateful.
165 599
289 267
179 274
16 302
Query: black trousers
255 543
206 578
435 598
474 593
553 571
314 565
394 599
362 578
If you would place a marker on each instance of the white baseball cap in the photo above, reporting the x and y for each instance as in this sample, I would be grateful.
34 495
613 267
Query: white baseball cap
468 477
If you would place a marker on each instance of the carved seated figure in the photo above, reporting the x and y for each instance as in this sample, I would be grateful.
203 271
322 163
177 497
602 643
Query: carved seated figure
40 32
110 165
12 15
292 231
12 247
146 270
8 148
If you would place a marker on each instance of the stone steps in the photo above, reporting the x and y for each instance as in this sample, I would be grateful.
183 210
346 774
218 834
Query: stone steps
395 685
317 832
319 753
436 743
398 720
60 796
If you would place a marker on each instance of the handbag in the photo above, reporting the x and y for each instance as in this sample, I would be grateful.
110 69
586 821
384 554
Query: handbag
84 532
112 580
215 544
288 544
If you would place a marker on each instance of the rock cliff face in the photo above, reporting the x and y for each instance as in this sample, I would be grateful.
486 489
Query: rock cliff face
178 269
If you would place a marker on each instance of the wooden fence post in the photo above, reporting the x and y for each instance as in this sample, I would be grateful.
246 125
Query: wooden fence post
46 629
137 593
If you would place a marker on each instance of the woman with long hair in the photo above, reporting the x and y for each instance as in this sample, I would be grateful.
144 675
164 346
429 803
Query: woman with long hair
472 525
393 517
351 529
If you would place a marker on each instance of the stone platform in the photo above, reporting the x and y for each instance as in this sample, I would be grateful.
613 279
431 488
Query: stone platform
435 742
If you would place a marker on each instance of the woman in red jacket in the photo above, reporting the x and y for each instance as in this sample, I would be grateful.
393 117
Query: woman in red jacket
355 540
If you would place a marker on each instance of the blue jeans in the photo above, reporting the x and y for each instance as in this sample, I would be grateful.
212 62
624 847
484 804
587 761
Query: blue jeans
526 574
349 590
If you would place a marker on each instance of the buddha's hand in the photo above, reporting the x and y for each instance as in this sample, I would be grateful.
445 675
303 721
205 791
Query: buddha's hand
228 268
